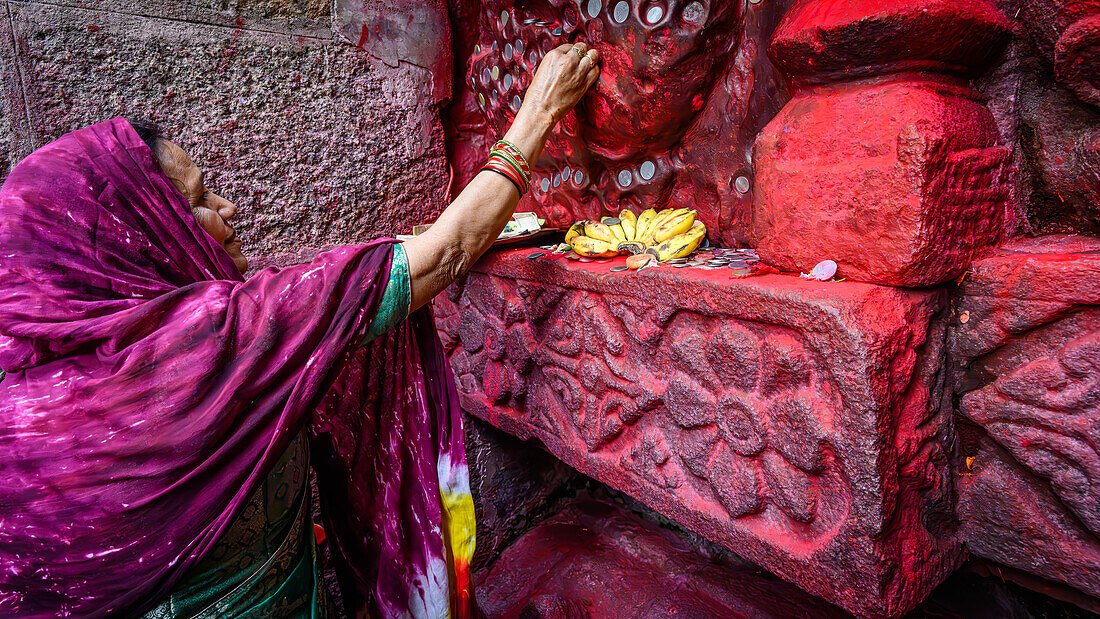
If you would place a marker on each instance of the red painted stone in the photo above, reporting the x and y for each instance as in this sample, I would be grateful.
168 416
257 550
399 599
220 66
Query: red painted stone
685 86
895 175
596 559
1067 34
1025 367
819 40
898 180
794 422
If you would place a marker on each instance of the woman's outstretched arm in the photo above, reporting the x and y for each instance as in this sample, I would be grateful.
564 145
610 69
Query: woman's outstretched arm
470 224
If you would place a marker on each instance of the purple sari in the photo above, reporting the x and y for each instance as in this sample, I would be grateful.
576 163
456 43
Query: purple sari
149 389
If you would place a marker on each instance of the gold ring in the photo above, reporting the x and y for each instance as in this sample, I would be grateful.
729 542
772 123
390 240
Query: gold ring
579 52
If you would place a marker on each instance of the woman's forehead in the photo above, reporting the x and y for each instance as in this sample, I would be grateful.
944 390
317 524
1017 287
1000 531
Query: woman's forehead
179 166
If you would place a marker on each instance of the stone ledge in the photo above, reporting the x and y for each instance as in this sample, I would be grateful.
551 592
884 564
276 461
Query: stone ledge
793 422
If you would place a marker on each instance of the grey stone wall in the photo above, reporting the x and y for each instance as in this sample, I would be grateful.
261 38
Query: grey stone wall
316 141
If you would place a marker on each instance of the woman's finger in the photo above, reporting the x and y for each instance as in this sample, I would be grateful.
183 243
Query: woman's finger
591 58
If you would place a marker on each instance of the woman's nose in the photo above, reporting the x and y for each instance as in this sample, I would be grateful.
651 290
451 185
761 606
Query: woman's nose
224 207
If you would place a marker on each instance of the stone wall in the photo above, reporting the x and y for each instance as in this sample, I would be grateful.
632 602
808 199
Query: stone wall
318 142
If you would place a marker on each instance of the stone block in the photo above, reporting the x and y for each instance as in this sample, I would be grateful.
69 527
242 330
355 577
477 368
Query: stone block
839 39
595 559
317 143
885 160
900 181
1025 361
795 423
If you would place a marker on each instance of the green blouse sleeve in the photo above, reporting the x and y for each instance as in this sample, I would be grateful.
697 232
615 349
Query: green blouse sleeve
396 298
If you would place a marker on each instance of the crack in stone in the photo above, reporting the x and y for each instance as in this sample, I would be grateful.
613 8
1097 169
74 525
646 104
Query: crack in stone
178 20
19 76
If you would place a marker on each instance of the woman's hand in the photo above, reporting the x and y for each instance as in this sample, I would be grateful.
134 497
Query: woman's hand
472 222
562 78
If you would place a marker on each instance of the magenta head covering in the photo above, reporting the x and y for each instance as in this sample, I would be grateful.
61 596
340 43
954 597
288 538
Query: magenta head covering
149 389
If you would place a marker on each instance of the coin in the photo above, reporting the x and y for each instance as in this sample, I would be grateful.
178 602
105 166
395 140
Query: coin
583 259
537 254
618 269
676 260
681 265
572 256
610 221
695 263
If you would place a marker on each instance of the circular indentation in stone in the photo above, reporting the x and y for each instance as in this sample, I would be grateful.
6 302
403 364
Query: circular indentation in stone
507 51
519 48
516 102
654 14
557 180
578 177
486 76
624 178
647 170
507 81
594 7
622 11
742 184
496 73
694 12
493 98
557 31
545 184
503 18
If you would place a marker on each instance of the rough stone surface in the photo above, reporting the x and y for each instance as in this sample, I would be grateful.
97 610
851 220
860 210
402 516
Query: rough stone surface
316 143
515 485
795 423
897 180
595 559
839 39
1025 359
684 87
895 175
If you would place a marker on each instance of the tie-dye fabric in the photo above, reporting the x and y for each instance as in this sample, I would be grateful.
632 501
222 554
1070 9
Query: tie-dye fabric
149 389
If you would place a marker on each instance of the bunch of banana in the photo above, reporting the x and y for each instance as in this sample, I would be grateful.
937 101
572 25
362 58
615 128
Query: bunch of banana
668 234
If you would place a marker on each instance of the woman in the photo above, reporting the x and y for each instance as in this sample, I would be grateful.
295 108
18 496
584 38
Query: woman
155 411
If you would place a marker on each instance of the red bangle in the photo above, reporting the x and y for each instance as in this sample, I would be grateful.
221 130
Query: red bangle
507 173
515 152
510 162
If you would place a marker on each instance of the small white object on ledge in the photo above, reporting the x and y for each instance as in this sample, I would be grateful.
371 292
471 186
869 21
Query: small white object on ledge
823 272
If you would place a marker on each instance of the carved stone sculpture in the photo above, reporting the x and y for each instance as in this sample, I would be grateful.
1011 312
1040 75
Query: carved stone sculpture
1025 356
684 88
796 424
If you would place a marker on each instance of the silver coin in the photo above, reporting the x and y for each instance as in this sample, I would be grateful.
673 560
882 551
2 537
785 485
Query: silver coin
618 269
696 263
677 260
537 254
680 265
719 261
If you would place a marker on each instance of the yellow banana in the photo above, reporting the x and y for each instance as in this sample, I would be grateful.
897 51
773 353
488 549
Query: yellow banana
576 229
592 248
674 226
642 225
678 246
661 218
629 223
616 227
600 232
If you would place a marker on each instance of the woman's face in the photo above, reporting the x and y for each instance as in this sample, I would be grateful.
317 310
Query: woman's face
212 211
